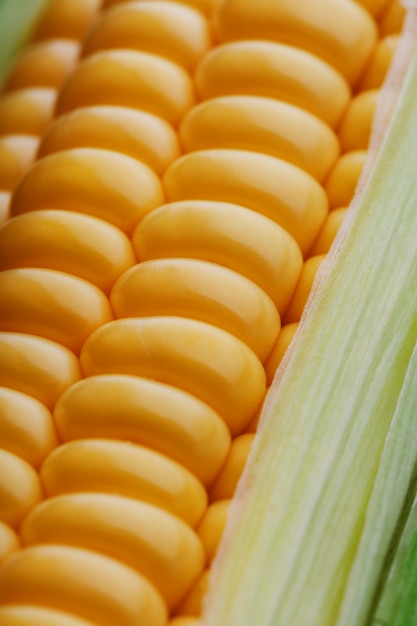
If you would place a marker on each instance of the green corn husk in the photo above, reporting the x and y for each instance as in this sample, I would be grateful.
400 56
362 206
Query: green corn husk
382 537
398 603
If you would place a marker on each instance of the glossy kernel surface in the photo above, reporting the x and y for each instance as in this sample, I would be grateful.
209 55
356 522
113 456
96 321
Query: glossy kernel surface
151 541
203 291
273 70
168 29
129 78
143 411
123 468
270 186
26 426
89 585
27 615
260 249
194 356
50 304
306 25
262 125
20 488
36 366
138 134
101 183
74 243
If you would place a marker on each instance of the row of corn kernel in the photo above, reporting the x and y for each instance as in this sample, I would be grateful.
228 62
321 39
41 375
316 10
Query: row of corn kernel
186 502
355 128
206 126
27 105
126 297
353 131
81 233
26 424
145 291
201 129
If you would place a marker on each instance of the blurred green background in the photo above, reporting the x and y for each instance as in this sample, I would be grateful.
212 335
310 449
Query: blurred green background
17 19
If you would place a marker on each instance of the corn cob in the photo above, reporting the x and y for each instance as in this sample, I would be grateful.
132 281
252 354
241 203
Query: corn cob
179 370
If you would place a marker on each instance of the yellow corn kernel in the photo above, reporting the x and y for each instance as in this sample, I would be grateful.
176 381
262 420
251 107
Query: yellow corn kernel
303 288
36 366
262 125
26 427
69 19
16 154
355 128
211 527
125 469
379 64
149 413
44 64
137 134
167 29
269 186
226 482
129 78
328 232
196 357
26 111
284 339
193 603
26 615
306 25
341 183
51 304
20 488
264 68
101 183
202 291
77 244
260 249
391 20
9 543
85 583
151 541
